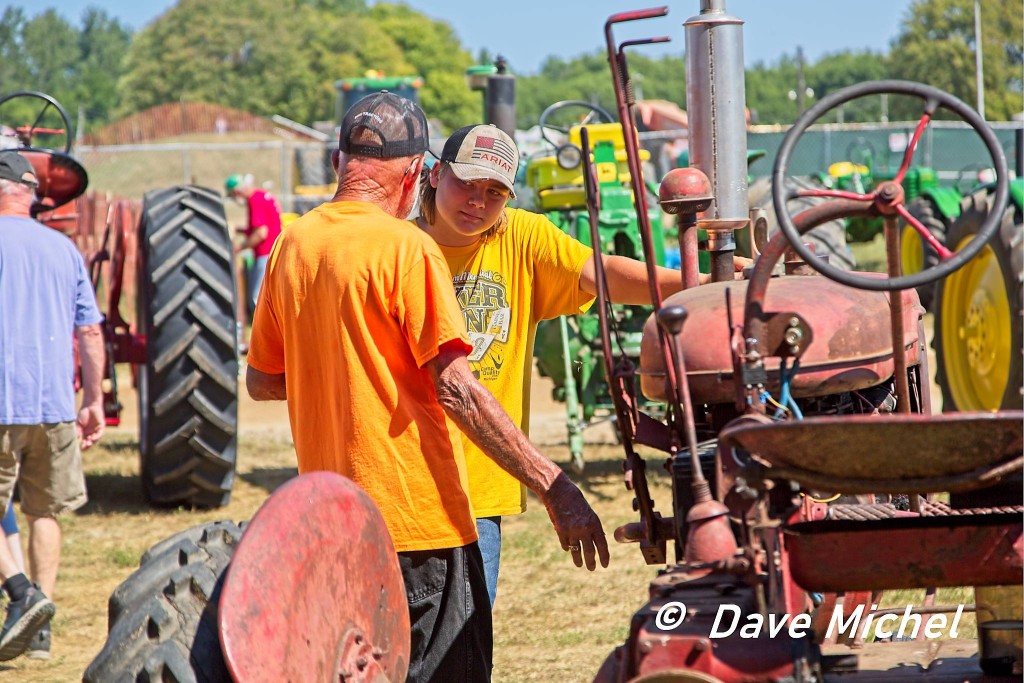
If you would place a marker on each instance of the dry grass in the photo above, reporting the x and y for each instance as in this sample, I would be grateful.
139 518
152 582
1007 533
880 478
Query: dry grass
552 621
546 604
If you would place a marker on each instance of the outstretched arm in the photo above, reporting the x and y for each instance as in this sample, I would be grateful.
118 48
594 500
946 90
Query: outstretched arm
479 415
627 279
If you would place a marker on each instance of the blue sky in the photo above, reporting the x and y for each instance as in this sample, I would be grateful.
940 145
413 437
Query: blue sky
527 31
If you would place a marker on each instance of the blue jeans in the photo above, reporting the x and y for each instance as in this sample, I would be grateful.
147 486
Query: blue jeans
489 530
255 280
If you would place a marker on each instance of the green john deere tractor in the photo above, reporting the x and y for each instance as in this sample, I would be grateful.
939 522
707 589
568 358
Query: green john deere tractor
568 348
934 205
979 311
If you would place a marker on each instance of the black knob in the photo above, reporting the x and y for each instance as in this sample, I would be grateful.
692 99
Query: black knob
671 319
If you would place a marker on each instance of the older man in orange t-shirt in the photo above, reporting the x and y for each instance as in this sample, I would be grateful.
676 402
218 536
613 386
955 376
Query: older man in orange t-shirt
358 327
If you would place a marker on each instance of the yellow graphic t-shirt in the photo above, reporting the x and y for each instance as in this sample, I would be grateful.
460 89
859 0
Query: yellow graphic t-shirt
505 286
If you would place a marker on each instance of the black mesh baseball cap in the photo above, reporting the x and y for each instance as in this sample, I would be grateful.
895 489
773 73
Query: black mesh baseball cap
17 168
384 125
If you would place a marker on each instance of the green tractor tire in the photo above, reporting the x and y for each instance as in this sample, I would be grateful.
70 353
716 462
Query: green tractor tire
829 238
915 255
979 311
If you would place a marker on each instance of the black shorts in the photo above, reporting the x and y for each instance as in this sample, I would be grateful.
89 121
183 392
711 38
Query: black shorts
450 614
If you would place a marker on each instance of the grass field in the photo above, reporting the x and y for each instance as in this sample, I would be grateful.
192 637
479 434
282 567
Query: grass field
547 607
552 621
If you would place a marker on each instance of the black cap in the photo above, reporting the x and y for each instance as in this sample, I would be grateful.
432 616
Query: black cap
17 168
385 126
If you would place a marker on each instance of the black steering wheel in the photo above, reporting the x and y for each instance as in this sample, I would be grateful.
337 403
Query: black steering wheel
888 198
27 131
595 113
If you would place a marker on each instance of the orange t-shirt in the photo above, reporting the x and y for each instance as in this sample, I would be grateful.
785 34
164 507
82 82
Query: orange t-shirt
354 304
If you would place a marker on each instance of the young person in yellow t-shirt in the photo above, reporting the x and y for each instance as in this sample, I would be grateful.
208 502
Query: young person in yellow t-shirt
511 269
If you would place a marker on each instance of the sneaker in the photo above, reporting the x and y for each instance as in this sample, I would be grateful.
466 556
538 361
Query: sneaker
39 648
25 618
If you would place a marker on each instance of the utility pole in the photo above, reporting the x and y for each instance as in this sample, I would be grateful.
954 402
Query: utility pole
801 84
979 74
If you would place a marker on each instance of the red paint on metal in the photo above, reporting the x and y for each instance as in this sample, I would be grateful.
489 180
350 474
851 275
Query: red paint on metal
980 550
61 178
685 648
314 587
685 190
852 348
896 450
709 537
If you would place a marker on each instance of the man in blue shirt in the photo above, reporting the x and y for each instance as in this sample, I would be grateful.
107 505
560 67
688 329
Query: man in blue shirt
46 299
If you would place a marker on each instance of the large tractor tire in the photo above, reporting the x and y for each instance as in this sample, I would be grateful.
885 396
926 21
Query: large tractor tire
163 618
829 238
188 386
915 255
978 315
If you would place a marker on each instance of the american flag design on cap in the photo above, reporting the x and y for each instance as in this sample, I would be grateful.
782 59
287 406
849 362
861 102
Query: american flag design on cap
486 147
483 152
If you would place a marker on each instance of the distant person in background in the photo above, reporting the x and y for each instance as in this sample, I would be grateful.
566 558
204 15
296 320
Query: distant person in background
262 230
46 298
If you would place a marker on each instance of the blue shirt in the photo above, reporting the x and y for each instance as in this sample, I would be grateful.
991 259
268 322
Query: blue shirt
45 293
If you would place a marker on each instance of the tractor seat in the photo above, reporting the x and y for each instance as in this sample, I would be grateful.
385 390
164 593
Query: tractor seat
886 454
61 178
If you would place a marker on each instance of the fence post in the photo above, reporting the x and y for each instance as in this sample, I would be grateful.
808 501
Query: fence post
827 148
286 177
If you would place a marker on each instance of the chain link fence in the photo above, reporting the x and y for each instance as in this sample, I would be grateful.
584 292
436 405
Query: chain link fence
300 175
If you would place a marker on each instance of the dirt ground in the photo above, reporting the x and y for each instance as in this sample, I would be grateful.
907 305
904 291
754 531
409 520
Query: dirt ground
552 621
104 541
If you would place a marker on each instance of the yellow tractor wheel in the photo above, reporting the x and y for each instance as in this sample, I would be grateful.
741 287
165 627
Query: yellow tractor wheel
915 255
978 316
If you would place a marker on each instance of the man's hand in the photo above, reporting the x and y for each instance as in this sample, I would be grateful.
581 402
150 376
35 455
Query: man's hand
90 425
578 527
479 415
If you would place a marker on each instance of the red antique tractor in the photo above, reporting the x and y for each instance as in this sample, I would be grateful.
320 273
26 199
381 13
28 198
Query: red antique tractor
809 474
182 341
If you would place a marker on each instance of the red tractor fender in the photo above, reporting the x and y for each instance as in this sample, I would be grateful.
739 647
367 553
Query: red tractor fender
314 591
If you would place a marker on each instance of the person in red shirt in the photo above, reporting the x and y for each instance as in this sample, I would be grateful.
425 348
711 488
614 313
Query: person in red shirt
261 232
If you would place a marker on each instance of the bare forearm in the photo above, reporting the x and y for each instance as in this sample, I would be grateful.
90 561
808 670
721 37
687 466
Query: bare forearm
253 239
479 415
627 280
264 386
93 355
482 419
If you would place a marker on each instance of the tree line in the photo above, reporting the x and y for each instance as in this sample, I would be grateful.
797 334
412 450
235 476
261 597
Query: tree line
283 57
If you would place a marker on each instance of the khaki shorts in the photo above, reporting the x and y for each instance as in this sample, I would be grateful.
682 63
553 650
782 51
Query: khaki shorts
46 463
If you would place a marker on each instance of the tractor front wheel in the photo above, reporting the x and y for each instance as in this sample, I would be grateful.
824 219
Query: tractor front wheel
188 387
978 315
163 618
